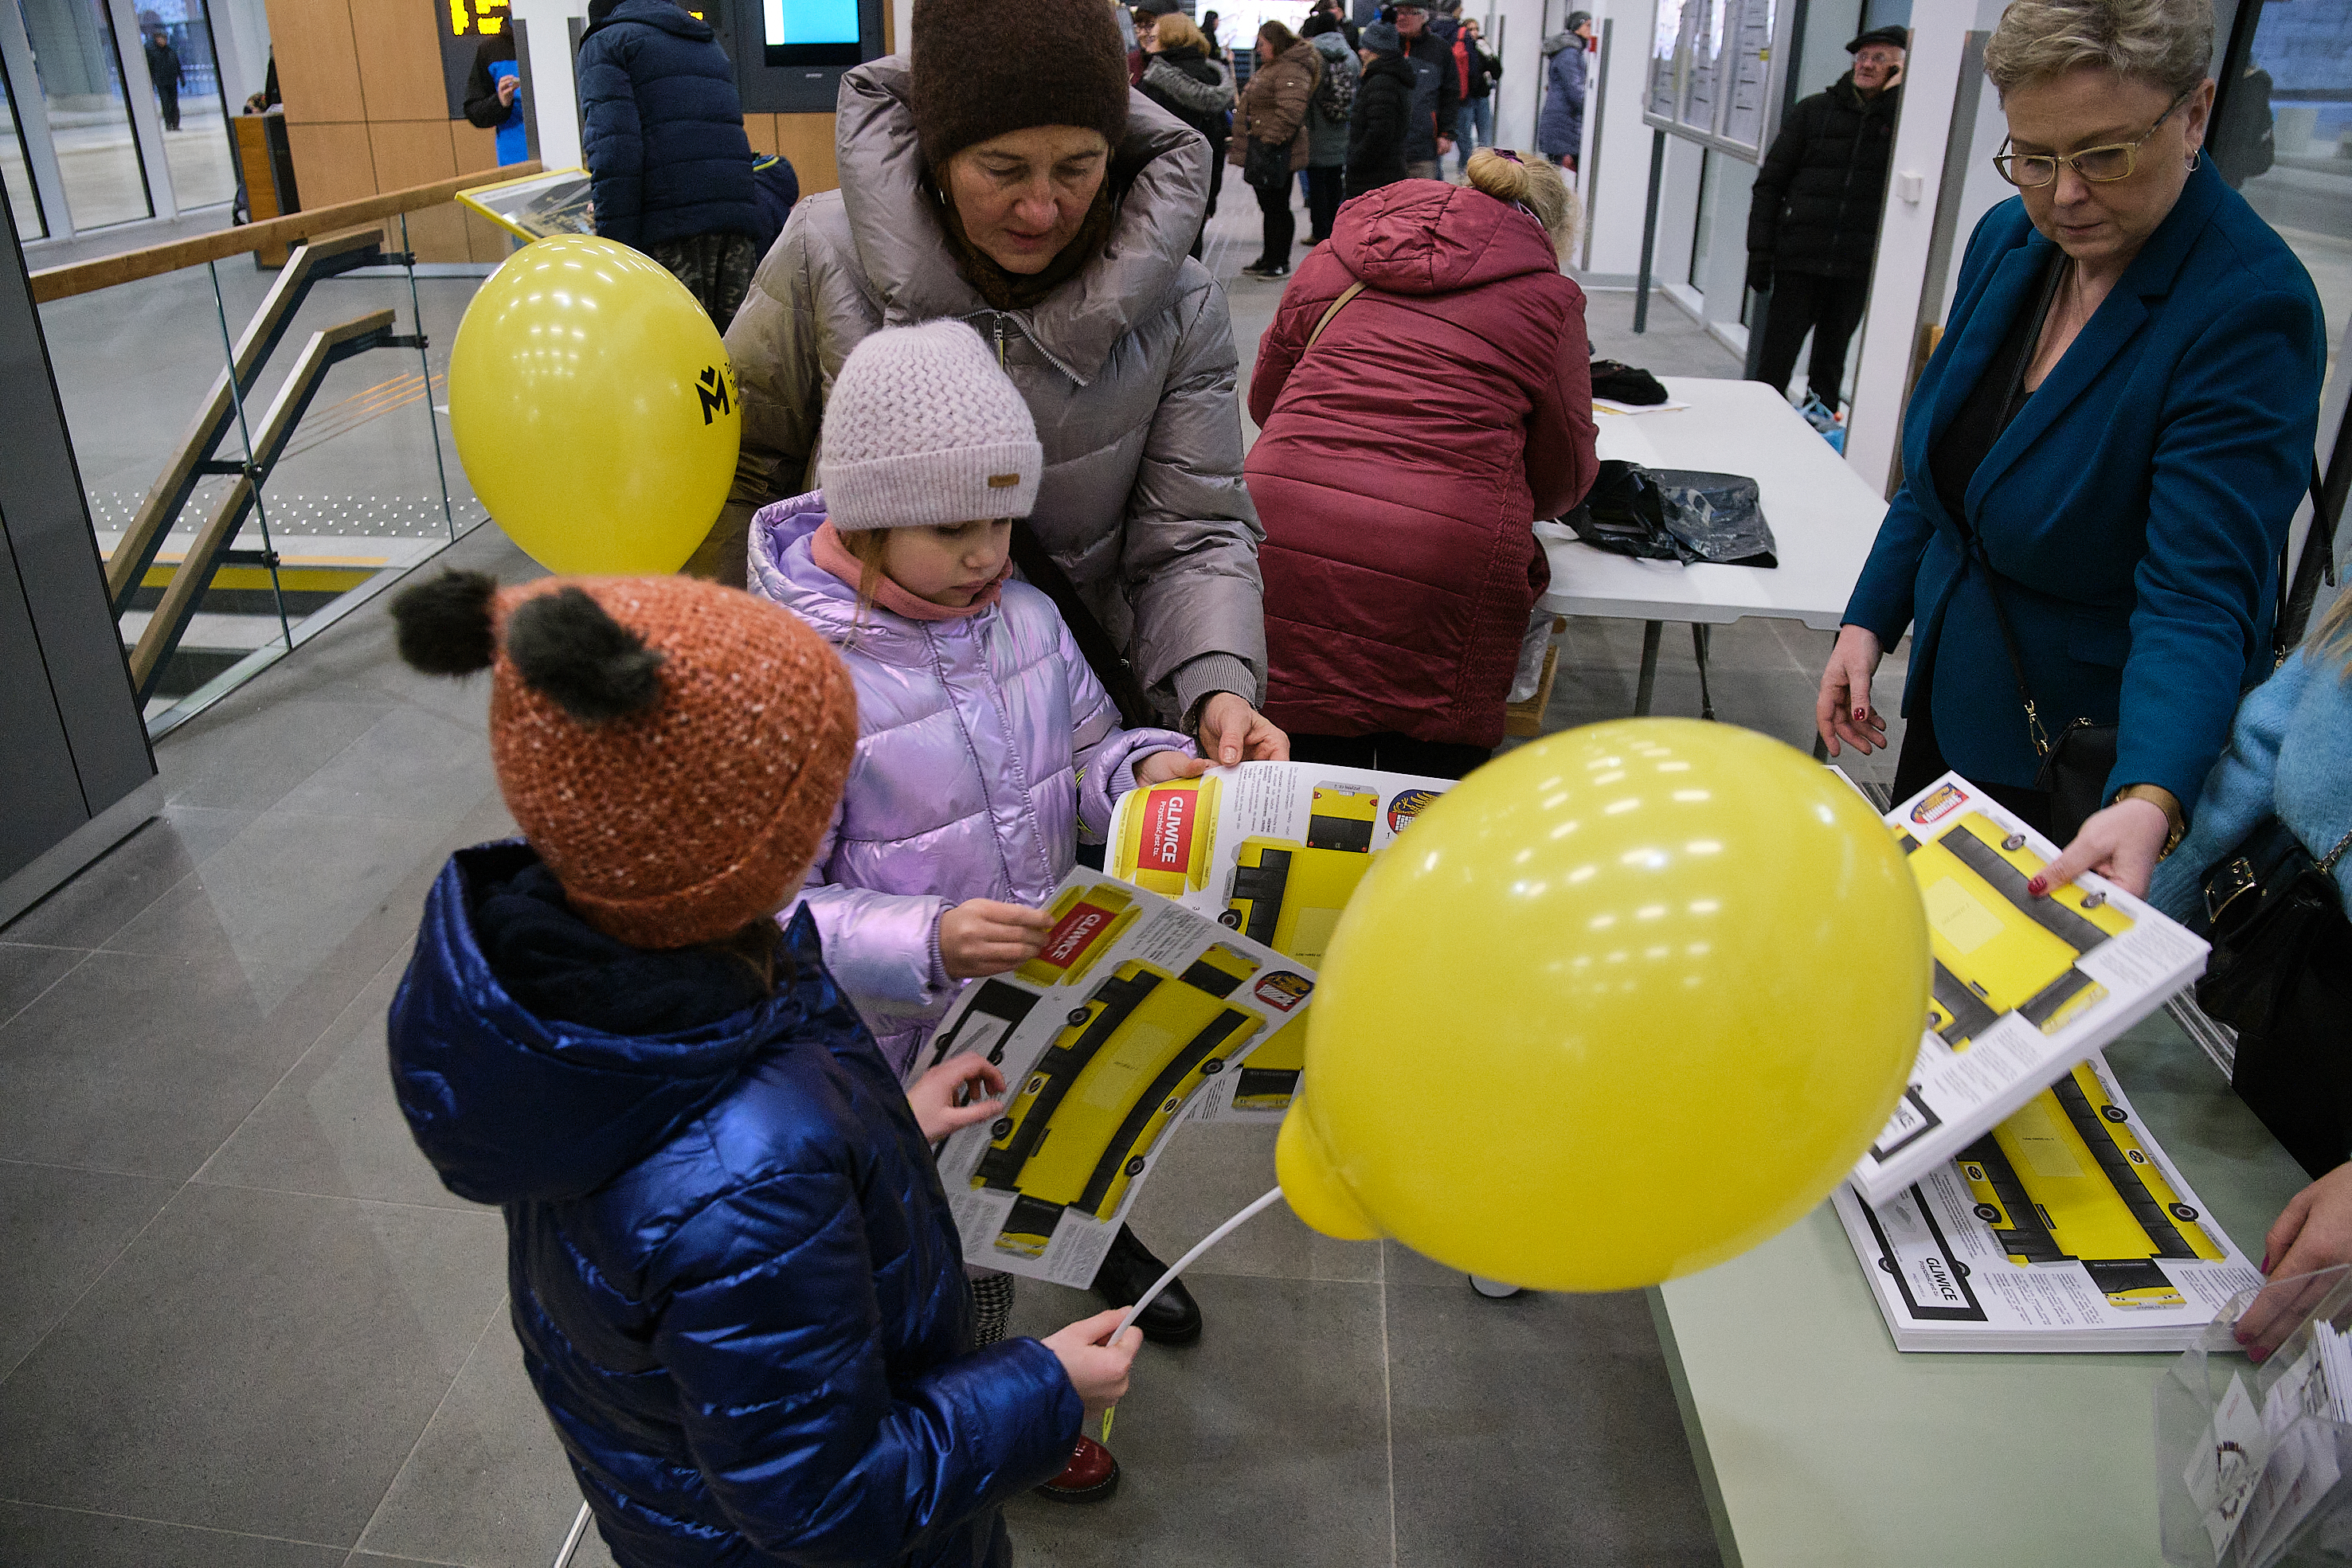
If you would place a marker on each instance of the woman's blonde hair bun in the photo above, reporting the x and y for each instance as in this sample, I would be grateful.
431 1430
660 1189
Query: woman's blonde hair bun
1535 183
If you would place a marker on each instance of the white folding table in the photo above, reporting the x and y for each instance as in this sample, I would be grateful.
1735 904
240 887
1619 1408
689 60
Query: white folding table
1823 518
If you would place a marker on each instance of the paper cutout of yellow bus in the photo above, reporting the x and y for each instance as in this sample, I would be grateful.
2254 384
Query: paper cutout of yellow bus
2067 1179
1996 949
1083 1123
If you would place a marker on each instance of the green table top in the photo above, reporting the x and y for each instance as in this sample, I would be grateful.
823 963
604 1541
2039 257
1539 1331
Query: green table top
1818 1443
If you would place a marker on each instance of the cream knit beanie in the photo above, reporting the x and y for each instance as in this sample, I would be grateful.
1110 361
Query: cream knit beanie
924 428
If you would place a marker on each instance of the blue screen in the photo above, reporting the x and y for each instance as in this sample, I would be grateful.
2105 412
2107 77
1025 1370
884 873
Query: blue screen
810 21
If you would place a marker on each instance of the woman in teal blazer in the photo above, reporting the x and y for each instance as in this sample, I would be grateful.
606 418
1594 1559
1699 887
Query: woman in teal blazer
2121 415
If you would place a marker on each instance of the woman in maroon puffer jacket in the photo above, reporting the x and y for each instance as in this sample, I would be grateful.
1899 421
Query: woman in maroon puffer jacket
1403 459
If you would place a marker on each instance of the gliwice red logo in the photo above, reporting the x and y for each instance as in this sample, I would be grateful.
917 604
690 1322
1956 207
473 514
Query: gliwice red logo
1167 831
1080 926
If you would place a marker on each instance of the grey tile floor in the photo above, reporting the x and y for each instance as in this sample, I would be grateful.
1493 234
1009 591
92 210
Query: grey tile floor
245 1327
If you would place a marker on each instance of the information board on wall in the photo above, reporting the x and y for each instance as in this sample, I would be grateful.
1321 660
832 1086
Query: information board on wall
1711 72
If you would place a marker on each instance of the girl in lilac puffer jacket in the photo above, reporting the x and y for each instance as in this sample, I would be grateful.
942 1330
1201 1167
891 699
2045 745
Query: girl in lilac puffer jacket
983 740
983 743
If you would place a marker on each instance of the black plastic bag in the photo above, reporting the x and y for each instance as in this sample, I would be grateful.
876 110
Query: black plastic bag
1674 514
1629 384
1717 518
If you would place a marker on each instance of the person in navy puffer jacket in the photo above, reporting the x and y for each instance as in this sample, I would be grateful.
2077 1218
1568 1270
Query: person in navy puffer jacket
661 127
734 1276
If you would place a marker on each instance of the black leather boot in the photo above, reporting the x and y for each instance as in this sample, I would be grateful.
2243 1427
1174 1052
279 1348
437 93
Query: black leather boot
1128 1270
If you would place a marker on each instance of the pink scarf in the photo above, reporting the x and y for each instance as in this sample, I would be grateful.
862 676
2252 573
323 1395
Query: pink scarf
827 550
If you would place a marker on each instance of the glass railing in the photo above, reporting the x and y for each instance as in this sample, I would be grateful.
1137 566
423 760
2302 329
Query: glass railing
263 450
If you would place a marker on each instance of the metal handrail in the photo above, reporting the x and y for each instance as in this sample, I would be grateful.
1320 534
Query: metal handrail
129 267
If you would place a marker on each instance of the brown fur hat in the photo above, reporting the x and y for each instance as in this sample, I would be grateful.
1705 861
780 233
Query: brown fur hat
982 67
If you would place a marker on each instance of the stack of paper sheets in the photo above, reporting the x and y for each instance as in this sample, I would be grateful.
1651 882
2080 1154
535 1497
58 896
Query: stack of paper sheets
2015 1202
2065 1228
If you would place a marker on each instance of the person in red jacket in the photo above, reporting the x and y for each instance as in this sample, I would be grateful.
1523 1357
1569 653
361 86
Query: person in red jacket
1401 565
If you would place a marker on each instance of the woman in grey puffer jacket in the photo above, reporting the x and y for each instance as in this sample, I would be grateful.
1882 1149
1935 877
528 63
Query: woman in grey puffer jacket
1120 345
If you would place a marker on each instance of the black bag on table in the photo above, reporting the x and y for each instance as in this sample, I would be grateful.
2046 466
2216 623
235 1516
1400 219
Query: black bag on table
2280 975
1630 385
1674 514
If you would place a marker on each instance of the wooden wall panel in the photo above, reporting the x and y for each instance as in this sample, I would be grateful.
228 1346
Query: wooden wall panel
331 163
438 233
808 141
475 147
417 152
761 131
318 62
400 59
411 152
484 241
477 150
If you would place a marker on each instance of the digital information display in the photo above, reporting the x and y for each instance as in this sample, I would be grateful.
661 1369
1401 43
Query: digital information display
811 32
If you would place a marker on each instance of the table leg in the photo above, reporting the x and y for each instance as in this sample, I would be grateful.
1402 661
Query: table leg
1698 646
1650 631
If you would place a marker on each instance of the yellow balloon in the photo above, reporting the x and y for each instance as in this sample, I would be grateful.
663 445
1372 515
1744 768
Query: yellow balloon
1623 1004
594 407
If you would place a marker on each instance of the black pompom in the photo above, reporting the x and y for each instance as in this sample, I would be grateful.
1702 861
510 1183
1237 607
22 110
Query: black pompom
445 624
565 646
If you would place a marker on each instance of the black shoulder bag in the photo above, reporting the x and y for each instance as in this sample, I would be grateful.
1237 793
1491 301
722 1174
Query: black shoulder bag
2280 975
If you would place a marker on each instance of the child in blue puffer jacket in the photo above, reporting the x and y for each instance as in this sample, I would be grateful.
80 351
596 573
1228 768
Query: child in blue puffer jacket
735 1278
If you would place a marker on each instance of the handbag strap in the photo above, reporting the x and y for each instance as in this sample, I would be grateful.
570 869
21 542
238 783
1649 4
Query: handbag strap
2327 866
2033 726
1345 294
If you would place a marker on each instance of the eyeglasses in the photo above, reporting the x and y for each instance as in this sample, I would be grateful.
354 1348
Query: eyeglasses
2101 165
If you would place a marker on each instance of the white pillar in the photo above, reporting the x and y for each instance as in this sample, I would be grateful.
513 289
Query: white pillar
241 43
1518 25
1616 179
146 118
555 95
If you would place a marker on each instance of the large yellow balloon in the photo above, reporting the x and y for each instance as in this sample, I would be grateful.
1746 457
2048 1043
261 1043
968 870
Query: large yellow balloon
1626 1002
594 407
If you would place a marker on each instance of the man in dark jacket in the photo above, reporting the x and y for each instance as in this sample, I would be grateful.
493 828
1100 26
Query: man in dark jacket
494 95
1376 130
1436 92
662 128
164 71
1812 225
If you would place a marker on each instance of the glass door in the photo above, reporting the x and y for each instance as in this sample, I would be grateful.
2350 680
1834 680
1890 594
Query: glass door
184 73
2282 137
81 88
16 167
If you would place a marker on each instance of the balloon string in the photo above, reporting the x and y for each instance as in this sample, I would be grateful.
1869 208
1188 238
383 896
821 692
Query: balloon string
1210 1240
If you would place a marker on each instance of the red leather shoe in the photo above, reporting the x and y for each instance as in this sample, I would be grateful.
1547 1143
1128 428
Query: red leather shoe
1091 1476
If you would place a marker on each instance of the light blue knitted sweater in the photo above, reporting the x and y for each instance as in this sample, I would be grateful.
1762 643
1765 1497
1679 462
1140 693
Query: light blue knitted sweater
2290 753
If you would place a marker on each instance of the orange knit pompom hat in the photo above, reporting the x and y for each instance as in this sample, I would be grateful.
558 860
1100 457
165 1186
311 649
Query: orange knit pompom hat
673 749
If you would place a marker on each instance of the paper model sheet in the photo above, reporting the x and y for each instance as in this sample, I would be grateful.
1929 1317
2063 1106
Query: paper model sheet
1134 1005
1272 849
2064 1228
2024 987
536 206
